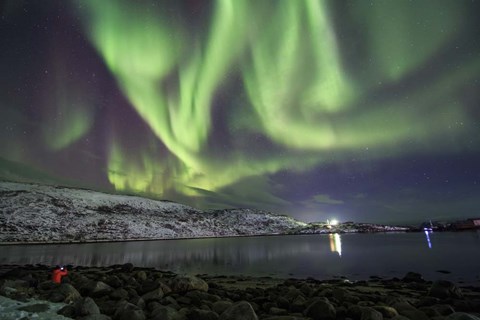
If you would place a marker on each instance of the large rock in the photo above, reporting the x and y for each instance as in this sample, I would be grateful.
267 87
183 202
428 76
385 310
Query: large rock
119 294
199 297
188 283
199 314
409 311
387 312
298 305
69 293
413 277
97 289
371 314
127 267
114 281
444 289
220 306
131 314
156 295
141 275
67 311
86 306
241 310
128 311
166 313
462 316
320 309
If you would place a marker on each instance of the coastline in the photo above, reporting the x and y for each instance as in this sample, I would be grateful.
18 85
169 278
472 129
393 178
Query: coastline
13 243
52 242
125 291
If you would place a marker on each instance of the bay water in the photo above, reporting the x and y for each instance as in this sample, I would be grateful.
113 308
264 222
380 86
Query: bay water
453 256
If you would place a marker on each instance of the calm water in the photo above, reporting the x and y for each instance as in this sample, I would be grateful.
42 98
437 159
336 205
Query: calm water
356 256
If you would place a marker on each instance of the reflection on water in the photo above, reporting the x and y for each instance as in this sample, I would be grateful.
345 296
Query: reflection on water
427 235
335 243
356 256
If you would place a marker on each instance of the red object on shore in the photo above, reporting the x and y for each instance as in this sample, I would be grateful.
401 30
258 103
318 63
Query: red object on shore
58 274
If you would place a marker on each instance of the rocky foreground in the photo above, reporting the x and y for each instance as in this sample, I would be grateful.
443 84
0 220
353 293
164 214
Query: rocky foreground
123 292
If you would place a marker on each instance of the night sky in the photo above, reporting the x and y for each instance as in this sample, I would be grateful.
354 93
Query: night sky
359 110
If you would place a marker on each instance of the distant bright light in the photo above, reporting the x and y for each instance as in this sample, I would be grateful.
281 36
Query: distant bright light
333 222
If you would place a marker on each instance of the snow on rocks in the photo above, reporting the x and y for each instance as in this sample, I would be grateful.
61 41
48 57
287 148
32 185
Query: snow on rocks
41 213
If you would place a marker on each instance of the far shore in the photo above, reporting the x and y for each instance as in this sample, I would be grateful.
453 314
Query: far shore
12 243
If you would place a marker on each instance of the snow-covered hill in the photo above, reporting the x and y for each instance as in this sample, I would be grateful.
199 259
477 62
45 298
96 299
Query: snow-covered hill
30 212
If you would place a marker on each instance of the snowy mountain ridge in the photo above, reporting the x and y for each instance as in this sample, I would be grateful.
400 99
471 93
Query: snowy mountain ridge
42 213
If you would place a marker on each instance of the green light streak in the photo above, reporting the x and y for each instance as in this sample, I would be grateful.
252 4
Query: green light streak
69 113
143 52
403 34
142 174
296 88
296 80
72 124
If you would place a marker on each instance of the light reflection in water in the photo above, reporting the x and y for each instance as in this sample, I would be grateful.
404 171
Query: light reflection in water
318 256
427 235
335 243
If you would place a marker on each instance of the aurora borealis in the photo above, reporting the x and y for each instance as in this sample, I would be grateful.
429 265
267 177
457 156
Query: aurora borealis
359 110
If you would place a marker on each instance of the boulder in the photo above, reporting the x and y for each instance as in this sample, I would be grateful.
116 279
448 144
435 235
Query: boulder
198 296
119 294
427 301
130 314
199 314
387 312
320 309
241 310
188 283
127 267
128 311
409 311
277 311
354 312
166 313
141 275
413 277
47 285
220 306
69 293
462 316
86 306
443 309
444 289
114 281
97 289
370 314
156 295
67 311
298 305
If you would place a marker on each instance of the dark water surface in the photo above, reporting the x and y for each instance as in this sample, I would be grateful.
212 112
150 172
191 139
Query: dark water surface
356 256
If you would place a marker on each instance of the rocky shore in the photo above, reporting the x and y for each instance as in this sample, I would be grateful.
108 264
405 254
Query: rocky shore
124 292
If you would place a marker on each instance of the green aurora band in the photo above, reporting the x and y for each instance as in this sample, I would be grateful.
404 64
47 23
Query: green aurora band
69 113
298 91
